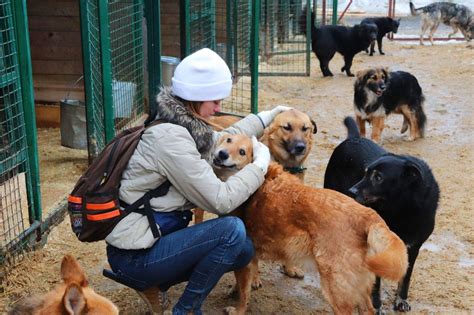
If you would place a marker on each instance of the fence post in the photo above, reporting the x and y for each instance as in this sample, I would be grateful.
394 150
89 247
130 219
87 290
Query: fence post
254 49
185 33
334 12
104 30
27 95
153 22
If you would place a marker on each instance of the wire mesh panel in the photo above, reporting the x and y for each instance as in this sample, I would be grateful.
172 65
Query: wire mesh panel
226 27
284 50
15 175
113 53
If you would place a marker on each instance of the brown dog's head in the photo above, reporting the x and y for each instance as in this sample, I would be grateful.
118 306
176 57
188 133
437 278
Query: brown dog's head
232 153
375 80
73 296
290 137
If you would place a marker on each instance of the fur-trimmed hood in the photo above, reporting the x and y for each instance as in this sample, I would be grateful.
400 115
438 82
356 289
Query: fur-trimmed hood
170 109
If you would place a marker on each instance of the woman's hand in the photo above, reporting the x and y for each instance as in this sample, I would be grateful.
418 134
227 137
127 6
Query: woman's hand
261 155
267 116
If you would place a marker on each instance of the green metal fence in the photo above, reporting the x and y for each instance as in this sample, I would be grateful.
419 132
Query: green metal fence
229 27
113 55
20 208
284 50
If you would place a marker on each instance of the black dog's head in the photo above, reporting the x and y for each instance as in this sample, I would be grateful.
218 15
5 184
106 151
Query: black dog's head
368 31
373 79
394 25
386 179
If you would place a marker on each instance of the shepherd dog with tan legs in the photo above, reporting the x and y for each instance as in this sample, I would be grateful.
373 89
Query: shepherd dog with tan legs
379 93
73 296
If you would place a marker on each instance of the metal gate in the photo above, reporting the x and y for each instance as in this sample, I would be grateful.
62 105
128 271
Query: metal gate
20 208
114 67
284 49
228 27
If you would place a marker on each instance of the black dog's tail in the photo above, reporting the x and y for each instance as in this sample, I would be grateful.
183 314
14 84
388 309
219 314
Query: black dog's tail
303 20
413 9
352 130
421 117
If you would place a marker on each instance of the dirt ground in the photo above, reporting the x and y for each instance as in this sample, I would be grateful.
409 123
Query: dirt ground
443 279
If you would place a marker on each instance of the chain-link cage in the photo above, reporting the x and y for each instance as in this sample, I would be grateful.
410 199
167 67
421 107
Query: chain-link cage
113 53
16 193
284 49
226 27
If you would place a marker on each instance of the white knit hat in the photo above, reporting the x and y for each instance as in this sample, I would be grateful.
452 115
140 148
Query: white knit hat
202 76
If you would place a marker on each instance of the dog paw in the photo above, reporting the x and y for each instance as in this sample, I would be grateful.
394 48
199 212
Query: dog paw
230 310
401 305
343 69
350 74
292 272
256 283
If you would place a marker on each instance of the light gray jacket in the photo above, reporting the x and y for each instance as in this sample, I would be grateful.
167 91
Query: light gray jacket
179 151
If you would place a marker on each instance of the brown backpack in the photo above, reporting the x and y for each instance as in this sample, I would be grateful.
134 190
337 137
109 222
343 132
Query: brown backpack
94 205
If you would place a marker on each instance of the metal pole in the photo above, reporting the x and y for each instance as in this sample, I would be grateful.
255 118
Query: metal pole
254 48
308 37
185 33
334 12
107 100
27 95
152 15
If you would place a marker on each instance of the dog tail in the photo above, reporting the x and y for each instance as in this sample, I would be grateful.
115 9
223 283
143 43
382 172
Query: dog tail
352 130
413 9
421 117
387 254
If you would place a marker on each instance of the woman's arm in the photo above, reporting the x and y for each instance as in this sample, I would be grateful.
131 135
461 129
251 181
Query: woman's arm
176 157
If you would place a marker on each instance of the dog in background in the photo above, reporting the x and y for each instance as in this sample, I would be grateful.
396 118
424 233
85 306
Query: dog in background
402 189
73 296
326 40
378 93
458 16
291 222
384 25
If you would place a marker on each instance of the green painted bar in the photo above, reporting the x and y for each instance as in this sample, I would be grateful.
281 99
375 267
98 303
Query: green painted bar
308 38
254 49
334 12
26 81
107 102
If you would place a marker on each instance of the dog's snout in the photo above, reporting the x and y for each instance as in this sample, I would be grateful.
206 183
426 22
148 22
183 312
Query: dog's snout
353 192
223 155
382 86
300 147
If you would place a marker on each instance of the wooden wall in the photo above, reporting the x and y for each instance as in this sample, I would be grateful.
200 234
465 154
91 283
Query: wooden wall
55 39
170 33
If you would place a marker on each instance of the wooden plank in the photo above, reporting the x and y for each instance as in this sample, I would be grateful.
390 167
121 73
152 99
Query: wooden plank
64 39
44 52
169 7
51 95
57 67
54 23
53 8
47 116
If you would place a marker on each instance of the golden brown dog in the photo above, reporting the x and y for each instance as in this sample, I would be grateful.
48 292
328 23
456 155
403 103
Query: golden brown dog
289 138
74 296
348 243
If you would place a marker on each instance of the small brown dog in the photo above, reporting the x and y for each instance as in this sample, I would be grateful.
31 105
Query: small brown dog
74 296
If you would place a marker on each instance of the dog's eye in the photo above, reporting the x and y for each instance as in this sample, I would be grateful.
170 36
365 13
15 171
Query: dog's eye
374 77
229 140
304 128
287 127
242 152
376 177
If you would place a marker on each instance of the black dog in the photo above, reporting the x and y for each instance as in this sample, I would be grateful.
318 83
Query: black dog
326 40
378 93
400 188
384 25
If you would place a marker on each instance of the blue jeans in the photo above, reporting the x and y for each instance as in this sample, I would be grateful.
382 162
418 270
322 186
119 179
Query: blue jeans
199 254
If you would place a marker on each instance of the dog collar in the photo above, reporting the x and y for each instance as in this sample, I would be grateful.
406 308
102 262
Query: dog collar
295 169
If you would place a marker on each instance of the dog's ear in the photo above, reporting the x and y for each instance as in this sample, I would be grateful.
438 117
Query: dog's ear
386 72
413 172
315 127
71 271
361 75
73 299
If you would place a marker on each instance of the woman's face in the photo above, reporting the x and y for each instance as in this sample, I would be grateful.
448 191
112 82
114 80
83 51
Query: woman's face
209 108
